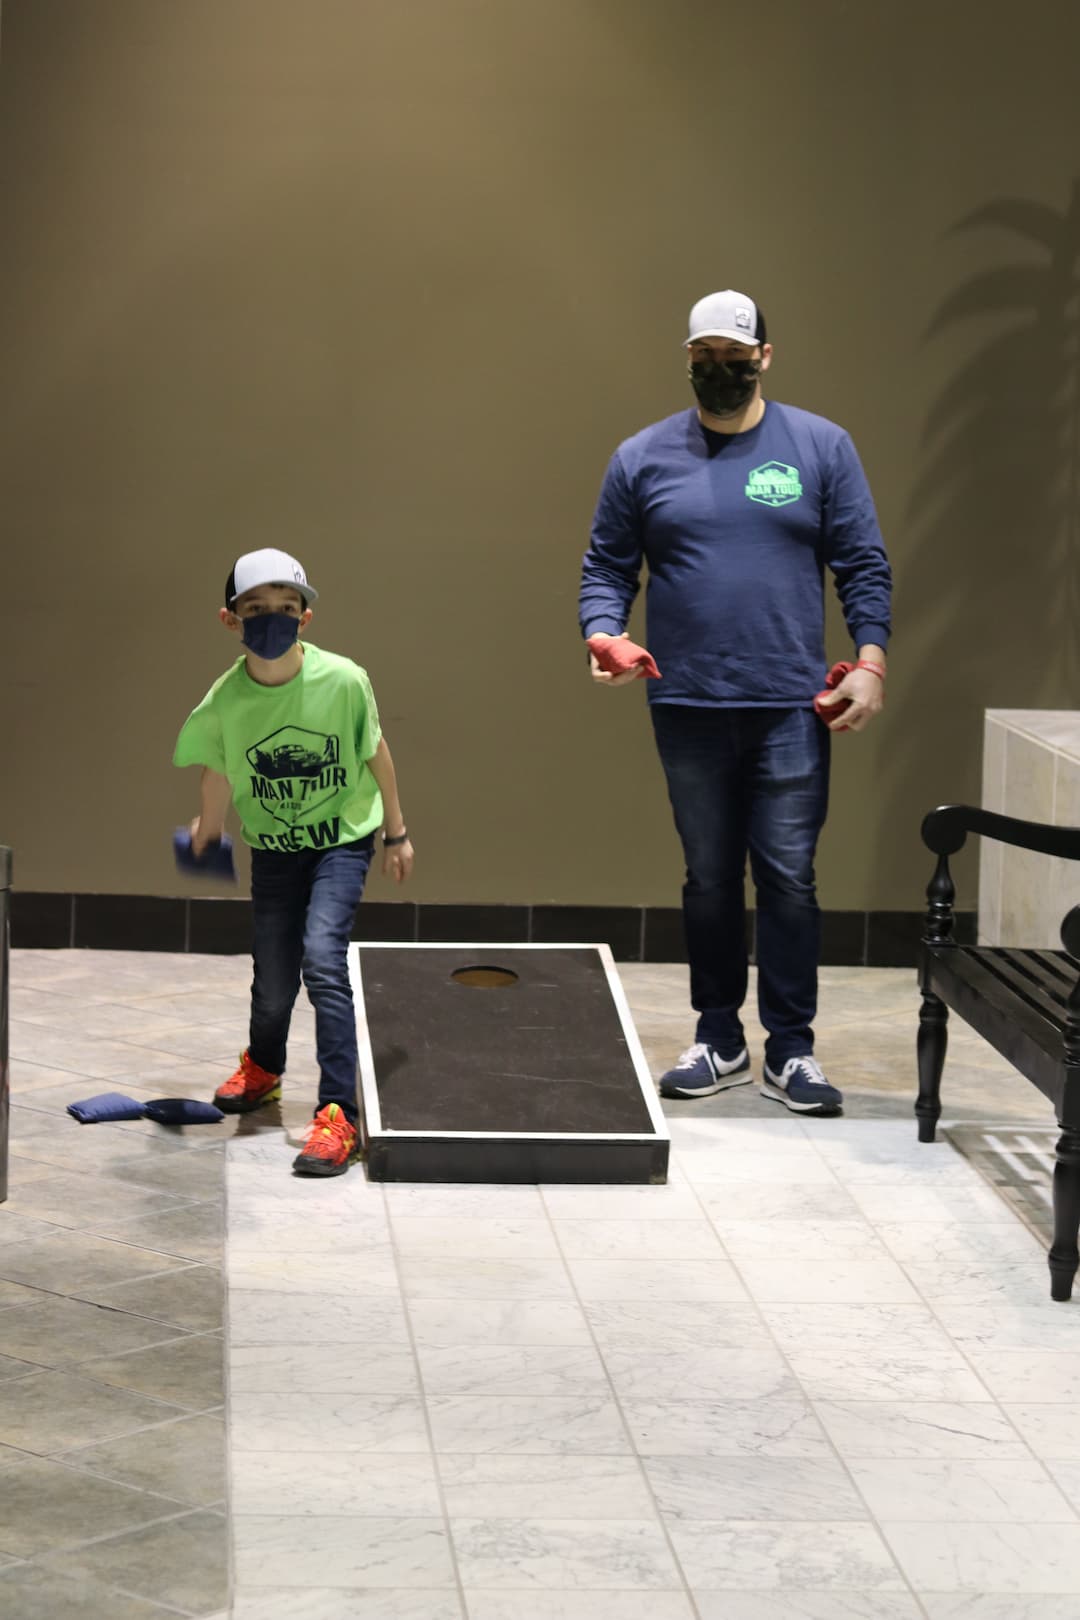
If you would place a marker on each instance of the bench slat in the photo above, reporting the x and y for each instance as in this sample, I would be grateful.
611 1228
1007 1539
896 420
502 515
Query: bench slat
1017 971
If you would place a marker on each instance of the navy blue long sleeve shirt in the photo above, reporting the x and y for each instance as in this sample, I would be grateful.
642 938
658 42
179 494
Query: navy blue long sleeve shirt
736 531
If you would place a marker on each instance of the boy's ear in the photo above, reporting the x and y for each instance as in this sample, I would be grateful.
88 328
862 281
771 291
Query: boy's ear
229 619
306 618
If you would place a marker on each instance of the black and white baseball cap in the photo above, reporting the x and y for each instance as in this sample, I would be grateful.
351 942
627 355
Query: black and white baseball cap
727 314
267 567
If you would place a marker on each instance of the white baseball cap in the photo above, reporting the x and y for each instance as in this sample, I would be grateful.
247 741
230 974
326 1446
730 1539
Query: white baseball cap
728 315
267 567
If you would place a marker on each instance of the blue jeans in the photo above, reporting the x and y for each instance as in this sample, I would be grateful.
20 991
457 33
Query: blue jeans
749 781
303 907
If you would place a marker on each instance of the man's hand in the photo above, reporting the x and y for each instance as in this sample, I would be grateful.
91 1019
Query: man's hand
602 676
866 693
397 861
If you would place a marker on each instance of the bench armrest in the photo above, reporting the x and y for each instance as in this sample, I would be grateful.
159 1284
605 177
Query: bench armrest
945 830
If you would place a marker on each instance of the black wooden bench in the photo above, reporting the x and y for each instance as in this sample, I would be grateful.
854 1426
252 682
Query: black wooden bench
1026 1003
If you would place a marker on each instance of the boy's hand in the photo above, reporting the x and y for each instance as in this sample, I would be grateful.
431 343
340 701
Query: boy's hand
397 861
602 676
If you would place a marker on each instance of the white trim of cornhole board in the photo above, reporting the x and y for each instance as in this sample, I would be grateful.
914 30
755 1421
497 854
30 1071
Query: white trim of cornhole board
369 1091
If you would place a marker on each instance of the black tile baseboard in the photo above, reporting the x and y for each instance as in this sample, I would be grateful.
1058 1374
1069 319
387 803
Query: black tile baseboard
48 921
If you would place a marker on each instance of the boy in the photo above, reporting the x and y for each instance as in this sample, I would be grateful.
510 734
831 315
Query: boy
291 734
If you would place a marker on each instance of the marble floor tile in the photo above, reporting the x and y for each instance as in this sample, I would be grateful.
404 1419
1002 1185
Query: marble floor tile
912 1375
759 1488
815 1282
675 1326
454 1277
667 1428
275 1423
454 1322
523 1553
1029 1375
186 1372
368 1272
870 1329
526 1423
778 1135
62 1332
319 1550
284 1369
595 1238
1066 1476
657 1279
748 1554
994 1606
260 1316
258 1227
474 1237
547 1603
755 1373
184 1459
190 1298
512 1370
807 1605
961 1242
367 1484
452 1201
988 1558
340 1603
707 1168
984 1284
913 1429
31 1592
1008 1325
182 1562
53 1411
818 1240
673 1202
741 1201
933 1206
577 1486
1052 1432
939 1490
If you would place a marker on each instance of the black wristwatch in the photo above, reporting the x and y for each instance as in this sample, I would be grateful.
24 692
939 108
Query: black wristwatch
402 838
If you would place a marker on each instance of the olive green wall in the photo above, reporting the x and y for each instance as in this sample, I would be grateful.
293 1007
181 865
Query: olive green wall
384 284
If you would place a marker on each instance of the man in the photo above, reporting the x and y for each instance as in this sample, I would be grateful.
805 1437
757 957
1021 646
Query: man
737 506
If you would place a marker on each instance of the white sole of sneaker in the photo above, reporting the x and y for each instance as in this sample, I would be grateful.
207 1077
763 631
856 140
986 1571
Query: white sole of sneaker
778 1094
727 1083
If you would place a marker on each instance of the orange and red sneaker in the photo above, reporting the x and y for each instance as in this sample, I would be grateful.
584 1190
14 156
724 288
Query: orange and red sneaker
330 1146
248 1088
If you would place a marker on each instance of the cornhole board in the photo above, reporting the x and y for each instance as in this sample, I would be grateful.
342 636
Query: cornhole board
541 1078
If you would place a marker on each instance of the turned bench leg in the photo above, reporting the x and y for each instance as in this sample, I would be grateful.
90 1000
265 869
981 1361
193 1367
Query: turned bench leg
1064 1257
933 1039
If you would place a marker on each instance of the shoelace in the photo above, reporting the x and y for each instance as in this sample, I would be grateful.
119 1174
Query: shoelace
691 1055
326 1133
811 1068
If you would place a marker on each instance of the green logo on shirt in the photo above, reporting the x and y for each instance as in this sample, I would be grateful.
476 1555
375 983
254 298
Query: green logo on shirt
774 484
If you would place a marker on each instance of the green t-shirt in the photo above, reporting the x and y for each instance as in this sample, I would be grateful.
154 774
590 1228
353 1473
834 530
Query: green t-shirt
294 754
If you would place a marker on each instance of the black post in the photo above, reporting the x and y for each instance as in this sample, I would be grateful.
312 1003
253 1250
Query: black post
5 948
933 1037
1064 1257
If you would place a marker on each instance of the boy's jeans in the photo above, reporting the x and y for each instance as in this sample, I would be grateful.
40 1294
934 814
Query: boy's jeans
757 781
303 907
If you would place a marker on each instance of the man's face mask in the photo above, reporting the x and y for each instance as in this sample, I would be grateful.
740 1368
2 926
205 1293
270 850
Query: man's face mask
723 386
270 635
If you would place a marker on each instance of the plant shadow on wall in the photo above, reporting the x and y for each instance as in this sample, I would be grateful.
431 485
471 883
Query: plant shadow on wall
987 598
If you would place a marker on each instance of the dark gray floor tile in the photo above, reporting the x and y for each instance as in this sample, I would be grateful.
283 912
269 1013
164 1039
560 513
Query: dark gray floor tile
191 1299
10 1368
182 1562
192 1232
12 1295
186 1372
69 1198
54 1411
61 1332
184 1459
45 1506
29 1592
16 1228
68 1266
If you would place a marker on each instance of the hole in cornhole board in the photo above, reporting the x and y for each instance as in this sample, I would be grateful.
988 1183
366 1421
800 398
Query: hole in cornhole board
535 1074
482 977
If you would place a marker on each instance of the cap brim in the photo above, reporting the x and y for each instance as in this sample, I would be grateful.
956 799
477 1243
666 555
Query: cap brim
724 332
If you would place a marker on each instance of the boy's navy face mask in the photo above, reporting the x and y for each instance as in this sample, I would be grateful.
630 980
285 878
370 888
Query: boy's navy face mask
270 635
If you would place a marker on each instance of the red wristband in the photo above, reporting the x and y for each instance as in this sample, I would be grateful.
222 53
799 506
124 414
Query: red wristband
868 663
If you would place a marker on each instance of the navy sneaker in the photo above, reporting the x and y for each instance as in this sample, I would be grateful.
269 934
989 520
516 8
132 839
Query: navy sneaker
801 1086
701 1071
